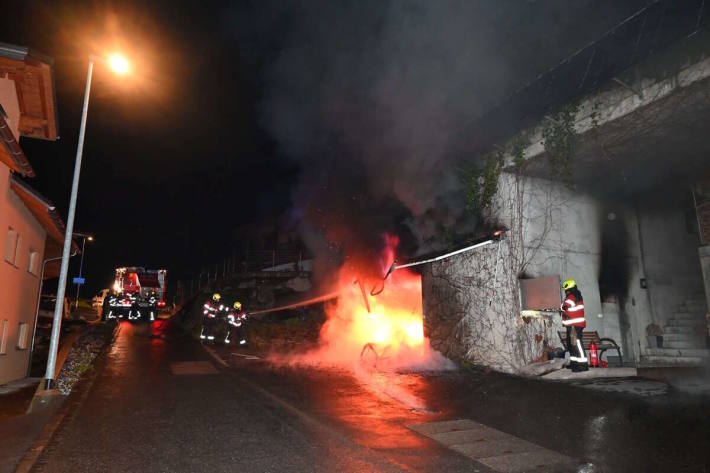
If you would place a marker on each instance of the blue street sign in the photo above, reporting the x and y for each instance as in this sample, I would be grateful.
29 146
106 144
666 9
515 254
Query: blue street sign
79 280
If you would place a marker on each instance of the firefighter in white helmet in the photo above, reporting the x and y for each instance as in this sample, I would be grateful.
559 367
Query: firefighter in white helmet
235 328
210 310
572 310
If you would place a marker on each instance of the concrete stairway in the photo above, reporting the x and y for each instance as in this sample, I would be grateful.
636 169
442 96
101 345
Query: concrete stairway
683 339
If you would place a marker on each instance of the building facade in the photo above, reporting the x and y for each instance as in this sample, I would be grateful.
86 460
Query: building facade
27 220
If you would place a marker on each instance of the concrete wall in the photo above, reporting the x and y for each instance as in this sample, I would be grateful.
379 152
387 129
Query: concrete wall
471 301
18 287
704 252
670 254
627 311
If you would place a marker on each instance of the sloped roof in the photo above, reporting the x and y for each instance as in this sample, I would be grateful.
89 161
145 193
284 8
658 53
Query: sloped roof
34 81
10 152
42 209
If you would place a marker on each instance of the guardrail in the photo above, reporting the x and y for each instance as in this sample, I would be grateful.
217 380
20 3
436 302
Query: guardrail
250 263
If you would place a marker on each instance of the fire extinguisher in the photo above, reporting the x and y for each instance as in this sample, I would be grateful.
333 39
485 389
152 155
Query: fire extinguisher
593 355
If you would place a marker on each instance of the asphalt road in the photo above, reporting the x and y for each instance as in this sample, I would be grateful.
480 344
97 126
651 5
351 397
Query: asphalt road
140 416
160 402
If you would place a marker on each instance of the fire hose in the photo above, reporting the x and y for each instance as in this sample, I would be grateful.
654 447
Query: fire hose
295 305
376 290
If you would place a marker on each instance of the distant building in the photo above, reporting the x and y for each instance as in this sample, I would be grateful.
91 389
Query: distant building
626 213
30 228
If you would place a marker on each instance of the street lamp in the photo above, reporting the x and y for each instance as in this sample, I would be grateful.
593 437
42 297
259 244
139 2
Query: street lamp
81 264
119 65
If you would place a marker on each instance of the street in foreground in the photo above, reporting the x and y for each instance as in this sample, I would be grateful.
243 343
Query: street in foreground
160 402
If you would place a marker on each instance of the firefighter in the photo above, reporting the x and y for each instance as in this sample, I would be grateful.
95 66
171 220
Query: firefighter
572 310
210 311
235 329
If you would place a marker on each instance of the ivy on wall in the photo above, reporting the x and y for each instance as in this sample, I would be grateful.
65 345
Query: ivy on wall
560 140
481 182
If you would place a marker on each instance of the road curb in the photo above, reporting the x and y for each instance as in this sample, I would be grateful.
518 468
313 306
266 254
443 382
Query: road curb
61 359
69 407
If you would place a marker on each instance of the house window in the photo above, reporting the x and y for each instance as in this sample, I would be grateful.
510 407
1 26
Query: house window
33 266
3 337
24 336
11 246
17 249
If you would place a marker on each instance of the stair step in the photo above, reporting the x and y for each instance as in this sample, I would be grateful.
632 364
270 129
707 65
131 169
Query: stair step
684 330
671 361
683 337
693 307
680 352
698 306
697 315
684 345
686 322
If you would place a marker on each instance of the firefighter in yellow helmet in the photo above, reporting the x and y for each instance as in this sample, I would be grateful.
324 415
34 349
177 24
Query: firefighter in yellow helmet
572 310
235 328
210 311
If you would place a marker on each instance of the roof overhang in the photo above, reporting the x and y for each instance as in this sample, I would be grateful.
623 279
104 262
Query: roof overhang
42 209
10 152
33 75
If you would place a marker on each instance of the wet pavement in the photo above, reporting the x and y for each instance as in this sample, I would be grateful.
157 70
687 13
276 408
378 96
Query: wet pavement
160 402
139 416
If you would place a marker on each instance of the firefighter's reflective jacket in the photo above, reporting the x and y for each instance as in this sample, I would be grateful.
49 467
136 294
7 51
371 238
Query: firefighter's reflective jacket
236 318
212 309
573 310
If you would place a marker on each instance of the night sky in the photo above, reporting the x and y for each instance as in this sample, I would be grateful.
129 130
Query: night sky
324 115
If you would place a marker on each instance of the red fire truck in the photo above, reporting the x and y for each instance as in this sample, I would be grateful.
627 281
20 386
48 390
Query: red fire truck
137 294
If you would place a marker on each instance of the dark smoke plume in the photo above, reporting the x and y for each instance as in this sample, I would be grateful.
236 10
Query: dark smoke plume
374 98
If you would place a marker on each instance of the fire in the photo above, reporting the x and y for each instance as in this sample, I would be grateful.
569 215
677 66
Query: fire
396 313
393 326
374 322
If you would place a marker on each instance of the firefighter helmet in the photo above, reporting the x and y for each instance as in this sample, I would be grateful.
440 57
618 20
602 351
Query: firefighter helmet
216 297
569 284
238 305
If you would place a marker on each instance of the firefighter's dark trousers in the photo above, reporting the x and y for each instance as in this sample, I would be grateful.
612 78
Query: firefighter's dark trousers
235 334
207 332
577 356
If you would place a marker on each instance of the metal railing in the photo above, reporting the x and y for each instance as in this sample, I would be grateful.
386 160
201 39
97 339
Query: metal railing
277 261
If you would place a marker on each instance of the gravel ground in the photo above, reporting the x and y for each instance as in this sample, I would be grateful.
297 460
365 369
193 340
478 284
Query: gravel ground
81 357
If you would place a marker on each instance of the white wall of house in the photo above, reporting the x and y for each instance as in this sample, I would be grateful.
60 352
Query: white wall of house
18 285
22 239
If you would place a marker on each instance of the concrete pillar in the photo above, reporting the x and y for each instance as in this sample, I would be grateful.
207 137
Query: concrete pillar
705 265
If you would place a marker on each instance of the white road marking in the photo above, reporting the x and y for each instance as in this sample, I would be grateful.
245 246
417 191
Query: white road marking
248 357
498 450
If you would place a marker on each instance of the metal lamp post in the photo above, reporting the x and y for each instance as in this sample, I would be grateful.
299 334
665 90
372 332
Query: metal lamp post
119 65
39 299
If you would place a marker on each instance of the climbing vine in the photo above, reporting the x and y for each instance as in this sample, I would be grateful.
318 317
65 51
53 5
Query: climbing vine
518 153
560 140
481 182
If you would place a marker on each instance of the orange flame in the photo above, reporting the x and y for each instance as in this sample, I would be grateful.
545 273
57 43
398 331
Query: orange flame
390 335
